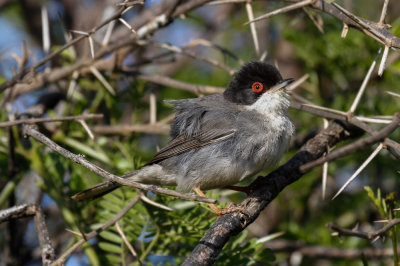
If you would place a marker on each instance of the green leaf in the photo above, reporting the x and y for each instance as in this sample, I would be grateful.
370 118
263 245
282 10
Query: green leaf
110 247
110 236
86 150
265 256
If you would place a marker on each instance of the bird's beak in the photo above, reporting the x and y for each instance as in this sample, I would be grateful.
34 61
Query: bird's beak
281 85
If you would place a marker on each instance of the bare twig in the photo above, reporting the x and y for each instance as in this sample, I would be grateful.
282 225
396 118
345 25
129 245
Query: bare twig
166 81
158 128
361 143
61 260
130 3
322 252
281 10
130 247
184 51
79 159
28 210
364 235
53 119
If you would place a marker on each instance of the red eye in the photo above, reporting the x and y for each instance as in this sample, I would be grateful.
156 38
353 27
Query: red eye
257 87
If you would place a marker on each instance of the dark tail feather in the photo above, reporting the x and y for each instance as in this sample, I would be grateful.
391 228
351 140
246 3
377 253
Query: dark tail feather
96 191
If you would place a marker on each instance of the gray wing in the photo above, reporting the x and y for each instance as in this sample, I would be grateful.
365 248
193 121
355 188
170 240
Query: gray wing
198 122
185 143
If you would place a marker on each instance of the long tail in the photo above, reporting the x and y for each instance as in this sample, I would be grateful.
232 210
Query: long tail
96 191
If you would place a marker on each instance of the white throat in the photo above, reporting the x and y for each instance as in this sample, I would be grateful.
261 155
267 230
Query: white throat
271 103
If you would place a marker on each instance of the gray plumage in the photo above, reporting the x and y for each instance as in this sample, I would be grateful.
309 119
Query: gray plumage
220 140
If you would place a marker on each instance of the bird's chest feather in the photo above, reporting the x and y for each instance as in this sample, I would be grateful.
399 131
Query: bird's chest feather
265 140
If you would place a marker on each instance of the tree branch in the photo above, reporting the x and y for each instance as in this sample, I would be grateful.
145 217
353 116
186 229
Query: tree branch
29 130
265 189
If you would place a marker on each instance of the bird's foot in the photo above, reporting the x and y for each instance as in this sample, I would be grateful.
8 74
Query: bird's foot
230 209
218 211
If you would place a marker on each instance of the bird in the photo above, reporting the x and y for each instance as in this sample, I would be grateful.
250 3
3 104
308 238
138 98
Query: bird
219 140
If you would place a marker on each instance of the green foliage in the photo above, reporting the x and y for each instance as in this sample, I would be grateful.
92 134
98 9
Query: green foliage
240 251
336 67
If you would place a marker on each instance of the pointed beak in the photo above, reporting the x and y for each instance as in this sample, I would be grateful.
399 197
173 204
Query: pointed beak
281 85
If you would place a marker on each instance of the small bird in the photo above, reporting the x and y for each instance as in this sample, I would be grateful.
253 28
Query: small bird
219 140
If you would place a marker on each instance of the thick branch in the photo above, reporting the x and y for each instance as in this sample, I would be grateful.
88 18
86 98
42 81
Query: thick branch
361 143
265 189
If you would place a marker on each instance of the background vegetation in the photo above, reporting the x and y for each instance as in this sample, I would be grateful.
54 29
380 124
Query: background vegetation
201 46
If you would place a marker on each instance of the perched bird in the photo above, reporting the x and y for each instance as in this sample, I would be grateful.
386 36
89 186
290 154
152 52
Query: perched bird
219 140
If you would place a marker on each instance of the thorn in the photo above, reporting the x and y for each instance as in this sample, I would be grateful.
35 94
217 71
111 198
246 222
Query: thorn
151 202
324 167
382 221
281 10
393 93
367 161
91 46
345 30
364 84
103 81
383 60
253 29
127 25
376 238
86 127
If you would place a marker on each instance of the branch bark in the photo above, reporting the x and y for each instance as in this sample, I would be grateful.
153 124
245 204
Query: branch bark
264 190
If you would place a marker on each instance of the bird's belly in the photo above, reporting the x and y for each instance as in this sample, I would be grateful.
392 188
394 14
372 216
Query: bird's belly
228 163
219 174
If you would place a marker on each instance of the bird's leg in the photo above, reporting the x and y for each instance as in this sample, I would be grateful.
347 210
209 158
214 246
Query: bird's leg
246 190
231 208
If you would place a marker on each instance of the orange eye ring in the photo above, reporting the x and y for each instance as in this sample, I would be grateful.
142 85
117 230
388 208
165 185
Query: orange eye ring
257 87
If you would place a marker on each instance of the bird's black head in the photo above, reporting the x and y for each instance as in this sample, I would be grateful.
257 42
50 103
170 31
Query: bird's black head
251 81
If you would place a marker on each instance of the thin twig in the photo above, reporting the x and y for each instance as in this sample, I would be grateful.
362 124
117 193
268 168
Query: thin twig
361 143
281 10
167 81
130 247
61 260
79 159
364 235
158 128
184 51
53 119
